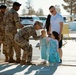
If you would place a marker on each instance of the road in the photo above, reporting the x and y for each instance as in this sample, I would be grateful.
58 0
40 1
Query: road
68 66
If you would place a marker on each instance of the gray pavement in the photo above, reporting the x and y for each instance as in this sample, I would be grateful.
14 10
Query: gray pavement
68 66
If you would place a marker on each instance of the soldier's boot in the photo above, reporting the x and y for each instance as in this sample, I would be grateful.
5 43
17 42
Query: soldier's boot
23 62
30 56
11 60
6 58
18 60
24 58
29 61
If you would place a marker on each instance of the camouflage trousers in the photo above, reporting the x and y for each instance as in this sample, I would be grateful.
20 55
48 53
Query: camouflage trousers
27 53
2 41
12 46
27 48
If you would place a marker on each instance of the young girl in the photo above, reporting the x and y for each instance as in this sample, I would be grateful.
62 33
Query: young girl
52 49
43 46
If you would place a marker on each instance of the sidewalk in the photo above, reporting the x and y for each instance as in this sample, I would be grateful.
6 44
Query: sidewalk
68 66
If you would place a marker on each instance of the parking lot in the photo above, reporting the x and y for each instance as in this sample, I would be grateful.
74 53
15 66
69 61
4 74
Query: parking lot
68 66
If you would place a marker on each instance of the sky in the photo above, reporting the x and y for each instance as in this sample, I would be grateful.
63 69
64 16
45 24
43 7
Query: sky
43 4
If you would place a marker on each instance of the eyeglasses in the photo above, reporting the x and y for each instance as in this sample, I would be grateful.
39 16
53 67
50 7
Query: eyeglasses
52 11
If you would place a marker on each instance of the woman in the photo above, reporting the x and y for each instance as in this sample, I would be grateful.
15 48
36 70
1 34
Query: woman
47 24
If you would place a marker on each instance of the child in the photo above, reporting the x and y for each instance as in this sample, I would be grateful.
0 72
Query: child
43 46
53 55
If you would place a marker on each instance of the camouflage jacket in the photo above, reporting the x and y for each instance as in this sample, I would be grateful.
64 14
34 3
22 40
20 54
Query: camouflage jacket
12 21
26 32
2 27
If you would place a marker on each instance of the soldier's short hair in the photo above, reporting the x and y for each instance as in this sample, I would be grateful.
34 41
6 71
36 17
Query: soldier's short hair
3 7
16 4
39 23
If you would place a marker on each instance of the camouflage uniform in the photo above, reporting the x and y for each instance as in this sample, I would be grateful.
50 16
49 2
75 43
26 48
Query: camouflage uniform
1 27
12 23
2 35
22 39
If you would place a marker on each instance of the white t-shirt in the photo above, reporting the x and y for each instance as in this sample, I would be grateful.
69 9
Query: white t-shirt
55 22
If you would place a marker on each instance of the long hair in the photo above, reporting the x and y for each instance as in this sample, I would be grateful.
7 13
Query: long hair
56 35
47 24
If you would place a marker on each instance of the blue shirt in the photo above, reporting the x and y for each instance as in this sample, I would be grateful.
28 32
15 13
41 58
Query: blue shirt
55 22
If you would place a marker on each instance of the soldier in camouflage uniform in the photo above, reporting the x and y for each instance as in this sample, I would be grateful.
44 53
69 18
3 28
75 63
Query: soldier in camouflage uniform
0 24
2 31
22 39
12 22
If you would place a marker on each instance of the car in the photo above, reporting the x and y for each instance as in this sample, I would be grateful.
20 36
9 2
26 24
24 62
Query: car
42 18
22 18
72 26
29 20
26 22
75 20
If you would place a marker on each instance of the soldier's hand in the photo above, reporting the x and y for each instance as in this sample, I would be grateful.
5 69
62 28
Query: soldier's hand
22 26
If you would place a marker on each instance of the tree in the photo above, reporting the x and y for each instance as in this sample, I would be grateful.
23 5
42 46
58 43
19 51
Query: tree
29 6
23 12
70 7
6 2
58 8
32 12
40 12
2 1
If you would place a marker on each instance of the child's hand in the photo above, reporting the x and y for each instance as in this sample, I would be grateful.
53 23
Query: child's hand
43 32
48 33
